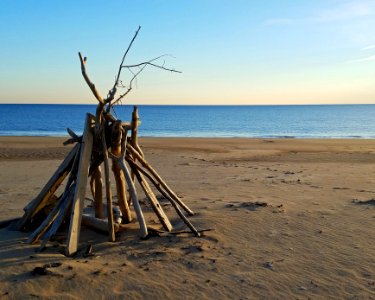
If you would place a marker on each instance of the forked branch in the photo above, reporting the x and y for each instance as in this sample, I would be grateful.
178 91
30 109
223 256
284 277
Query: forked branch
87 79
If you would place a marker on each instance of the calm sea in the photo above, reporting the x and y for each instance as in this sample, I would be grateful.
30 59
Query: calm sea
311 121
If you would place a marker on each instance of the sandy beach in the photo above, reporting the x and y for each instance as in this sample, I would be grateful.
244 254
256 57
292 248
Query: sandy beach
312 237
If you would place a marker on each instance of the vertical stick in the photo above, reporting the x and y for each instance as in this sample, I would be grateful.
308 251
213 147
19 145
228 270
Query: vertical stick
96 184
108 191
134 135
80 191
116 139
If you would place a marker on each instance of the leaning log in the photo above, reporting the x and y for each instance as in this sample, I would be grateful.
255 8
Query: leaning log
116 138
62 212
80 190
167 196
146 165
153 201
108 191
49 189
133 195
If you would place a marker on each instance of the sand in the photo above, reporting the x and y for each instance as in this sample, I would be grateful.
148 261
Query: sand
313 238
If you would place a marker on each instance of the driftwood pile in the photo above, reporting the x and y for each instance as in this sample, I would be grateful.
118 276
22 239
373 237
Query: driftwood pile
104 137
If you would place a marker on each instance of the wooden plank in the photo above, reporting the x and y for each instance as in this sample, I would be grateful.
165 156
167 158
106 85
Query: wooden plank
80 191
49 189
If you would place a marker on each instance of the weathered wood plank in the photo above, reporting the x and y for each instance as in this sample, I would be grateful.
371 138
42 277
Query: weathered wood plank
80 191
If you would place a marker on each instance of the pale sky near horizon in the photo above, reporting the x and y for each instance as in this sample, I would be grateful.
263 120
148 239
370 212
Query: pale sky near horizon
230 52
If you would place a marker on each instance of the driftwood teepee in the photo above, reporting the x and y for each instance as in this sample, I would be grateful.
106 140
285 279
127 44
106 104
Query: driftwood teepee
104 137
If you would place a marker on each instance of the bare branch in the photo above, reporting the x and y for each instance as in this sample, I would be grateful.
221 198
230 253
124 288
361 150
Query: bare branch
112 92
150 63
130 85
87 79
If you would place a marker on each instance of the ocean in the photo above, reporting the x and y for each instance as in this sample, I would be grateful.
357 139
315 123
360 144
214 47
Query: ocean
287 121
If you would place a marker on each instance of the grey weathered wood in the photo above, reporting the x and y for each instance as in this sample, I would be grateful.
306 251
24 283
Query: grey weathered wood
98 224
108 191
66 205
134 197
80 191
153 201
146 165
52 216
49 189
167 196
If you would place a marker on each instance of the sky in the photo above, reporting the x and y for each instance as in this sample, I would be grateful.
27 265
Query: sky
240 52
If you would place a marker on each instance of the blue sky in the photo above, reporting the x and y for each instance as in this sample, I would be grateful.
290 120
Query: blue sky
230 52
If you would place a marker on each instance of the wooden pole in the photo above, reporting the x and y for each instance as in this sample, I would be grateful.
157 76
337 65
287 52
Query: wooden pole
80 190
133 193
49 189
96 185
167 196
153 201
146 165
134 133
116 139
108 191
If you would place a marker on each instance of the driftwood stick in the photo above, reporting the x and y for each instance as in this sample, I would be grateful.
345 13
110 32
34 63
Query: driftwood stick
97 224
153 200
74 170
167 196
96 185
49 189
134 133
66 206
80 191
107 186
146 165
87 79
116 139
133 194
43 227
